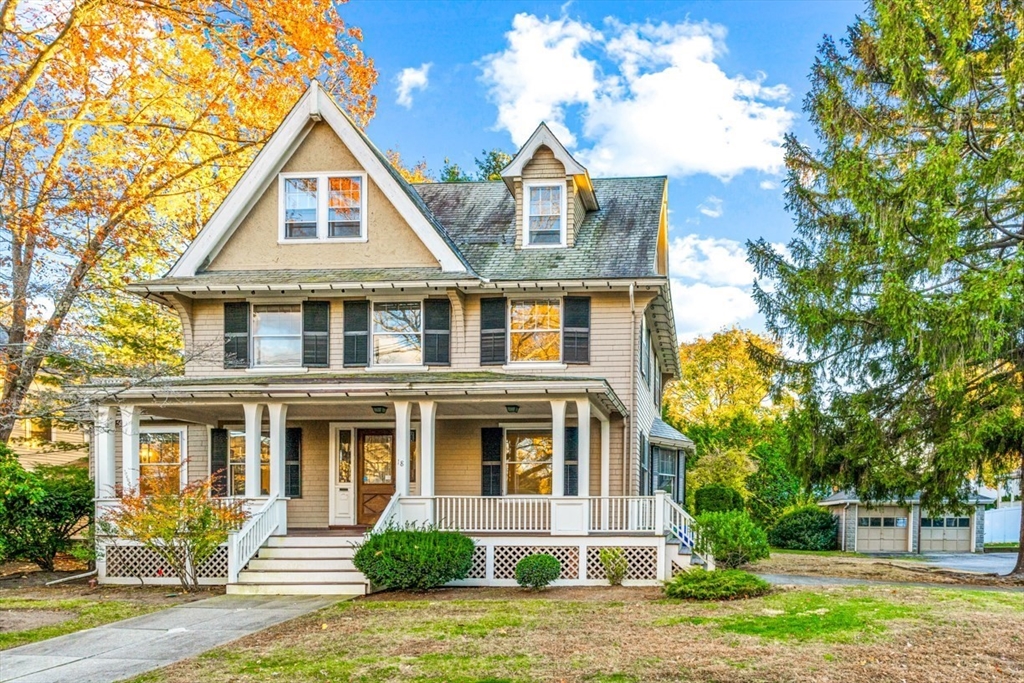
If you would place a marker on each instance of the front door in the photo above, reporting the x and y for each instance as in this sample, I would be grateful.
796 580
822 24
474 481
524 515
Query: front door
376 473
342 491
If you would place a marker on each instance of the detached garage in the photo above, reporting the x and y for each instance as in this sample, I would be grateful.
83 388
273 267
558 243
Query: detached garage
891 527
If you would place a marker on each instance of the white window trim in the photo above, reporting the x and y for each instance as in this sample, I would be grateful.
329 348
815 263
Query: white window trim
182 431
506 427
372 365
274 369
529 184
534 364
321 207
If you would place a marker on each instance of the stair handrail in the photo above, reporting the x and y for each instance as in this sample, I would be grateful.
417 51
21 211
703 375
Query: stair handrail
679 524
244 543
388 517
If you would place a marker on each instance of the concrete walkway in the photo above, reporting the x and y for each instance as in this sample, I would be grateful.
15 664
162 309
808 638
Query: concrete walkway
800 580
128 648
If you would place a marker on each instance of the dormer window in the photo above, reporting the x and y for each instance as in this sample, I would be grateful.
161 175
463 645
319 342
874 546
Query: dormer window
544 214
325 206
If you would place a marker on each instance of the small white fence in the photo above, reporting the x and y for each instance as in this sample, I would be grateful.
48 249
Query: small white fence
1002 525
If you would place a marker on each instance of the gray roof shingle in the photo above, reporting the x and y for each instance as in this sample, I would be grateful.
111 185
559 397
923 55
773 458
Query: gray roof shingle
662 431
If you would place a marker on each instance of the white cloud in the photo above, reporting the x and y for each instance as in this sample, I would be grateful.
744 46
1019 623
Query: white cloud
768 185
712 207
665 106
712 260
411 79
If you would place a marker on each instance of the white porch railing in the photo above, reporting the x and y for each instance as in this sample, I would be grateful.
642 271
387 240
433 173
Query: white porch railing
679 524
485 514
245 543
632 514
390 516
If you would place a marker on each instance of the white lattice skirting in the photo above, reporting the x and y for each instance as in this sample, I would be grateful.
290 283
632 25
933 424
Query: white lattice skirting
495 559
129 563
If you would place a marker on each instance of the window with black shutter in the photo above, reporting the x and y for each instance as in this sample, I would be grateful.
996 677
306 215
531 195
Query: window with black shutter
293 462
492 331
572 461
645 467
219 462
437 331
236 334
357 334
576 330
490 477
316 321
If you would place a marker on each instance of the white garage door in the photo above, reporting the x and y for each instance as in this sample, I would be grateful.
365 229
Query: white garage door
882 530
945 534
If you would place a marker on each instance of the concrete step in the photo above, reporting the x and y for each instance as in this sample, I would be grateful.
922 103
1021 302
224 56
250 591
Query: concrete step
301 576
313 541
306 552
297 589
301 564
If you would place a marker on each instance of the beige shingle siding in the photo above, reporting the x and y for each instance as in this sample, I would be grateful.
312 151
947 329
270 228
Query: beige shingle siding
311 510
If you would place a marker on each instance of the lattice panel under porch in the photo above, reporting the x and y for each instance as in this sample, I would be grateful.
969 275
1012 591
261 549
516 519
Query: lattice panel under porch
216 566
507 556
479 568
642 562
130 561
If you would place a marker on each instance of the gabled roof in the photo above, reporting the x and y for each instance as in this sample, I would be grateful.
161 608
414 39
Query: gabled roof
543 137
314 106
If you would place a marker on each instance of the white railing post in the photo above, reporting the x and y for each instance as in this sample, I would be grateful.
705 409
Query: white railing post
233 568
659 513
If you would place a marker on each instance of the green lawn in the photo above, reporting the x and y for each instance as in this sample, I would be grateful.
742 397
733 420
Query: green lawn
490 635
1002 546
84 613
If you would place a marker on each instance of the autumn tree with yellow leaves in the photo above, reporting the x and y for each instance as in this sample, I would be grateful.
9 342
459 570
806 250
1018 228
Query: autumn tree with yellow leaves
123 123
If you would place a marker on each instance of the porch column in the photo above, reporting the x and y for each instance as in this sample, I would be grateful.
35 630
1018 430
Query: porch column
583 441
278 419
606 455
130 447
105 458
403 424
558 448
253 431
428 409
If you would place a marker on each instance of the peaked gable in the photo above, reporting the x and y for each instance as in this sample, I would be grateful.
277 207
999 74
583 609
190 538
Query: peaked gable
313 107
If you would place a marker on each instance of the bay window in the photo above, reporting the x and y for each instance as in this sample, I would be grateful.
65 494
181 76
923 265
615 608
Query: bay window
535 330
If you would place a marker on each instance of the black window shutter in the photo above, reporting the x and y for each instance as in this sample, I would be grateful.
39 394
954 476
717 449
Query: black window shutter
490 481
236 334
437 331
645 467
572 461
293 462
316 321
492 331
357 333
576 332
218 462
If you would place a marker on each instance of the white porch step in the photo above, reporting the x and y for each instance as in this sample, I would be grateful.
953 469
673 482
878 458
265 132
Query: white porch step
297 589
314 541
340 564
300 576
307 552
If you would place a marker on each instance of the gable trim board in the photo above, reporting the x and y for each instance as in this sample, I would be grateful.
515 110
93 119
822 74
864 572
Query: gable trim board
314 106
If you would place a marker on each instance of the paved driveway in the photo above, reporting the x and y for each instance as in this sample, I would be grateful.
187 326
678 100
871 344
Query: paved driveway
985 563
127 648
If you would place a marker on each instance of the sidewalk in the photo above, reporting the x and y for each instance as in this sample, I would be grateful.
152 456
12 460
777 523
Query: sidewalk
128 648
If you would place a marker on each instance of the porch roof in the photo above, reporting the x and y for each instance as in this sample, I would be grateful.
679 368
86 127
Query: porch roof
367 385
664 434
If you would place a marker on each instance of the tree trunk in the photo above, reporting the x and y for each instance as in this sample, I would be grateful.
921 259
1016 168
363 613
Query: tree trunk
1018 569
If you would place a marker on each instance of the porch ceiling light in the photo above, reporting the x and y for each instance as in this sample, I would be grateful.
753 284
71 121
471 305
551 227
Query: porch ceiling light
380 410
512 408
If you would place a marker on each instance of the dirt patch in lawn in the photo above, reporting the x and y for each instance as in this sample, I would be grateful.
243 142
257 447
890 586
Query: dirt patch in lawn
847 634
873 568
28 619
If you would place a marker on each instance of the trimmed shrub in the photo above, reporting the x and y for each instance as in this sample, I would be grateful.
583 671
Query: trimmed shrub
537 571
725 584
716 498
806 528
731 537
615 565
414 559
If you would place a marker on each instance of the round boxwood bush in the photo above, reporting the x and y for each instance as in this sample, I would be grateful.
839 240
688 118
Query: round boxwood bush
414 559
717 498
732 538
806 528
725 584
537 571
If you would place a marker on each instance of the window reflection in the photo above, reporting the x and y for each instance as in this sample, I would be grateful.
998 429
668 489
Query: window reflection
528 462
536 330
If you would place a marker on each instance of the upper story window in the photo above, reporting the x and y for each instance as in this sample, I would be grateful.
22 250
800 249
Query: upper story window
398 333
544 214
277 335
325 206
535 330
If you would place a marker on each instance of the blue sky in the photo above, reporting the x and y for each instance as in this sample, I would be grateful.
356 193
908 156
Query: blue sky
699 91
